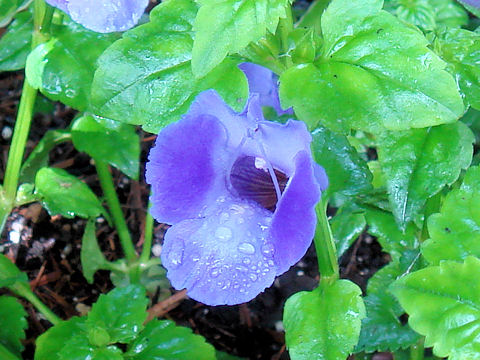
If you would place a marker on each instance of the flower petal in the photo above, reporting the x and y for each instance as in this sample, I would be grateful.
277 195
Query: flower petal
223 258
106 16
294 221
264 82
60 4
186 167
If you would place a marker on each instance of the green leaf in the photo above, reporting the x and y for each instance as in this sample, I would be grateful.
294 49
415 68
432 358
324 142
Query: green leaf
62 69
145 78
382 329
373 73
10 274
164 340
418 163
16 42
324 323
227 26
8 9
348 172
50 343
38 158
444 306
347 224
449 13
108 140
382 225
455 231
91 256
12 324
78 348
66 195
121 313
461 50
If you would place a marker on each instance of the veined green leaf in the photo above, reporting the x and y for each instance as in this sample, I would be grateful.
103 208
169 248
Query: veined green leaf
12 324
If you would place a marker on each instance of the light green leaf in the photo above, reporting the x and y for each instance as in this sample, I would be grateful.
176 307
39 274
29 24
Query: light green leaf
12 324
63 68
348 172
227 26
15 43
91 256
393 241
374 73
145 78
461 50
108 140
418 163
164 340
10 274
347 224
455 231
443 304
121 313
66 195
324 324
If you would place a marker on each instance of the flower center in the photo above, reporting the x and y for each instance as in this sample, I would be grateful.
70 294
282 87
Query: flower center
251 179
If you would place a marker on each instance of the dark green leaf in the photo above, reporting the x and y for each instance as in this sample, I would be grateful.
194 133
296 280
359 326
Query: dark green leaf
418 163
62 69
12 324
443 305
227 26
108 140
382 329
348 173
347 224
146 78
324 323
121 313
78 348
66 195
16 42
9 273
50 343
8 9
374 72
455 231
382 225
91 256
163 340
461 50
38 158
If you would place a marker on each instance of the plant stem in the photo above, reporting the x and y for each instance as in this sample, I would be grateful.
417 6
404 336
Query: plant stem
417 350
106 181
285 27
325 246
147 240
5 354
23 290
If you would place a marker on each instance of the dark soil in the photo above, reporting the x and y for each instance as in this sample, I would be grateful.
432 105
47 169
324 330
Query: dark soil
49 252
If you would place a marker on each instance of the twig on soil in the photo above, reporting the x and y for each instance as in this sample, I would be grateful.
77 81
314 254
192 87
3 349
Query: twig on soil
163 307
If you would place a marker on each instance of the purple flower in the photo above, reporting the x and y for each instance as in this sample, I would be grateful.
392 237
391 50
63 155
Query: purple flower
239 191
103 15
474 3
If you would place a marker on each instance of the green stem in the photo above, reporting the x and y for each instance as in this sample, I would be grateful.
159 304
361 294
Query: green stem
417 350
106 181
285 27
147 240
325 246
5 354
24 290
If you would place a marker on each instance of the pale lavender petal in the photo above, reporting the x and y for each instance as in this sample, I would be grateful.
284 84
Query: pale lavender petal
265 83
223 257
59 4
106 16
185 167
294 221
474 3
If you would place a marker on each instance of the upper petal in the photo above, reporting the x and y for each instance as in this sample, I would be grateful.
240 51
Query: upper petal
60 4
294 221
225 256
186 168
106 15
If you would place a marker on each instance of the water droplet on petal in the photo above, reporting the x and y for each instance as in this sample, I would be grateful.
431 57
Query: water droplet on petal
267 249
246 261
253 277
223 233
214 273
246 248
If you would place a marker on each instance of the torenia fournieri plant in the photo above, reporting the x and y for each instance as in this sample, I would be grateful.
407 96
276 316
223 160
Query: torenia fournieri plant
266 115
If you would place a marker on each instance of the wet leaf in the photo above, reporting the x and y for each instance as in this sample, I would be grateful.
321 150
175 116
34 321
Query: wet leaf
13 323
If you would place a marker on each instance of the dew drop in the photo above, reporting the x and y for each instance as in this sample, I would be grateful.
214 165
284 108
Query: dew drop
224 216
253 277
267 249
241 268
246 261
214 273
246 248
223 233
